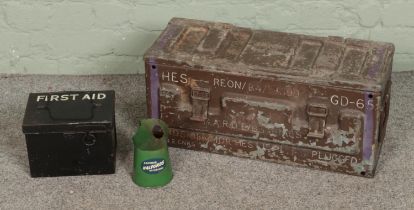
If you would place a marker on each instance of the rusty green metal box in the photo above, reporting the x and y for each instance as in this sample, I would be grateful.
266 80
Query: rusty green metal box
320 102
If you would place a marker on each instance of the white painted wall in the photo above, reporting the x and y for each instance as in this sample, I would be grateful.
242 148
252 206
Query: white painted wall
100 37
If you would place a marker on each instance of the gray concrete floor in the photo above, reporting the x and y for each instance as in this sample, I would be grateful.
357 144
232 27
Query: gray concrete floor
202 180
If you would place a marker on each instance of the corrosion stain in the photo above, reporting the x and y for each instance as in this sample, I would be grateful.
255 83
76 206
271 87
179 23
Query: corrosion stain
320 102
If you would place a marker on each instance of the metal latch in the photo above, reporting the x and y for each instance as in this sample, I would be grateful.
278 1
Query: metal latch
317 114
200 97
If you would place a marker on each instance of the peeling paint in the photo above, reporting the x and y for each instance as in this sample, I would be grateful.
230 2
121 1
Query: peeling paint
339 137
265 104
265 122
258 153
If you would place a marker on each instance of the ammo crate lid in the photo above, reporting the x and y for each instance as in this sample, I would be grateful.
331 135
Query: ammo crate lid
221 47
70 111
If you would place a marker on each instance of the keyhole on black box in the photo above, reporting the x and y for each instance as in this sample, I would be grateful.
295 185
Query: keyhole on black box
89 140
157 131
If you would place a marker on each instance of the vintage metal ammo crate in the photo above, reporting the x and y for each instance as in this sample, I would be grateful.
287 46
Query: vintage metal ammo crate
320 102
70 133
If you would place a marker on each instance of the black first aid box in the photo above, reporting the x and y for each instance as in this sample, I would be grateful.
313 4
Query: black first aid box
70 133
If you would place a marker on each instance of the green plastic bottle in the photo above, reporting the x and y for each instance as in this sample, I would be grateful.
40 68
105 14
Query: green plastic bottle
152 165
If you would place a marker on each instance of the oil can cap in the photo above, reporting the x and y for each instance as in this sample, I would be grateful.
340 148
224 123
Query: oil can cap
157 132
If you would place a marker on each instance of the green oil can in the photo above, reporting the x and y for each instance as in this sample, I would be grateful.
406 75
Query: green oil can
152 165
